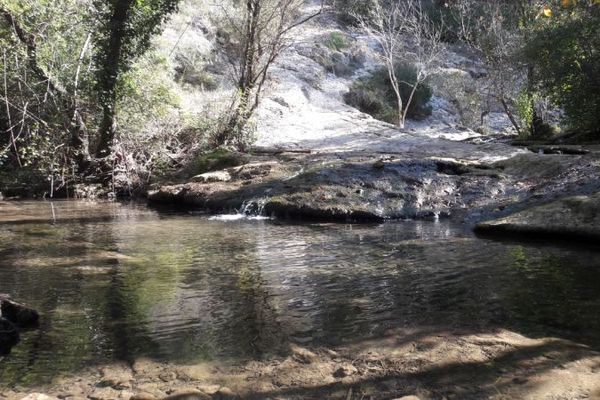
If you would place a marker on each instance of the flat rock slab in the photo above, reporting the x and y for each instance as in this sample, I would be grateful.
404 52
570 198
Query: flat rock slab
576 217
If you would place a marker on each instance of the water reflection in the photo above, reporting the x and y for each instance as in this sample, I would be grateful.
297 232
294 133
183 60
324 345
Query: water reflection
120 281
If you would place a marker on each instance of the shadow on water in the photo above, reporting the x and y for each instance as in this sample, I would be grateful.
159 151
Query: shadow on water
186 289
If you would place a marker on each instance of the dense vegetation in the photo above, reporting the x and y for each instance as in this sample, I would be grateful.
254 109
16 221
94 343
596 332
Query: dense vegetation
373 95
89 92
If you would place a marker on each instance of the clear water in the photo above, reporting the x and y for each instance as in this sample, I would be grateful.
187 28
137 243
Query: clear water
116 282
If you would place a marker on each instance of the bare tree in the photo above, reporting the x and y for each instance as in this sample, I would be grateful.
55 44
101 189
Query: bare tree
404 31
258 38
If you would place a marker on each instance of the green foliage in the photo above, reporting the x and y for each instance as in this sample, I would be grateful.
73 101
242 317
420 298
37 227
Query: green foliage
136 84
337 41
142 20
375 96
525 104
147 89
565 53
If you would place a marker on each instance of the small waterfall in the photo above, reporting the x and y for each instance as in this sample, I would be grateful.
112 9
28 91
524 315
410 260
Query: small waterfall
250 209
253 208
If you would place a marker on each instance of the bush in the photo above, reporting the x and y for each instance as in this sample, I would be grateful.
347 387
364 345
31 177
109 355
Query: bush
375 96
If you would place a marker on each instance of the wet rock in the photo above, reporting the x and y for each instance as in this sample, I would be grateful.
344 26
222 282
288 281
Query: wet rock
209 389
146 367
18 314
38 396
9 336
216 176
104 394
293 207
125 395
152 388
302 355
118 377
408 398
224 393
379 164
345 371
189 394
167 376
143 396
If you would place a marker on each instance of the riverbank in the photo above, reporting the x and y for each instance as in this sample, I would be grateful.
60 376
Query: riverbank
429 363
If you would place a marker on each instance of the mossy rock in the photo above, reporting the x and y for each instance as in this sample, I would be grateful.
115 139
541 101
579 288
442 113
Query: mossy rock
571 218
218 159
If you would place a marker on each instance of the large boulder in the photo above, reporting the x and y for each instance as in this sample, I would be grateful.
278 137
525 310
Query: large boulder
18 314
9 336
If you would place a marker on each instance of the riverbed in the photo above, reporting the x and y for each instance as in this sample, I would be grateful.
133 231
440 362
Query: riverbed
116 283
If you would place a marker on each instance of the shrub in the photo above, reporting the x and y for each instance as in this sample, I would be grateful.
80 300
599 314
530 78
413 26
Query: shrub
337 41
375 96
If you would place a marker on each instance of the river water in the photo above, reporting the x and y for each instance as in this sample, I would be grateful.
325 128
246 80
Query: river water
119 281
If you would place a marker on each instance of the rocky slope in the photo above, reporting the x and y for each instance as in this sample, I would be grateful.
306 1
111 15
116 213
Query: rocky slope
317 158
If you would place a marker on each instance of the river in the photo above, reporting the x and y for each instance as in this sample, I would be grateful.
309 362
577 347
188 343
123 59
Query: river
117 281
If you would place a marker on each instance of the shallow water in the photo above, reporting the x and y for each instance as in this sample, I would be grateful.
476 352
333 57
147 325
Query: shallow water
117 282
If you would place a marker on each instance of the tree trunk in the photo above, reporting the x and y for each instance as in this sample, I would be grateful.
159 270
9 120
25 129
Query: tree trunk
110 68
400 116
409 101
510 116
248 75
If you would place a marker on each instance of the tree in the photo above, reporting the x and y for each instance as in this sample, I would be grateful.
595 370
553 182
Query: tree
565 53
64 100
125 30
403 30
258 38
499 29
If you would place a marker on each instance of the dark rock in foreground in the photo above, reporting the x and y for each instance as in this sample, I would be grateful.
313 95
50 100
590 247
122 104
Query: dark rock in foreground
9 336
18 314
